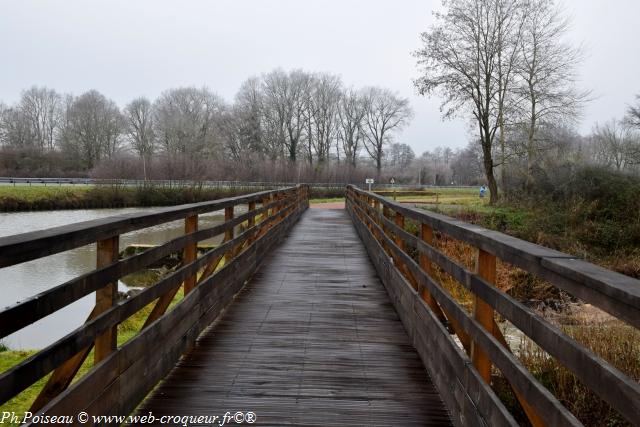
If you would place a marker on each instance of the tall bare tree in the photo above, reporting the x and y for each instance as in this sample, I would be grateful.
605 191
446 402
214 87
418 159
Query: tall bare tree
464 58
385 113
351 113
324 97
249 107
285 97
42 110
547 72
93 128
185 121
139 118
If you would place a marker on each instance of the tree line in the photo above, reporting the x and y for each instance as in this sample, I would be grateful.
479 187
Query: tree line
296 119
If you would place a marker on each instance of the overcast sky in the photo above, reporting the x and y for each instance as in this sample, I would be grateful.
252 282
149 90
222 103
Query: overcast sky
126 49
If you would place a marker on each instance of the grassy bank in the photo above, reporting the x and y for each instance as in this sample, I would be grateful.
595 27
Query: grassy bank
23 198
9 358
26 198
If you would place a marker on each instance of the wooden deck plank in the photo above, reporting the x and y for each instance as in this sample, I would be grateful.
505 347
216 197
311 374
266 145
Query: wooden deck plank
312 340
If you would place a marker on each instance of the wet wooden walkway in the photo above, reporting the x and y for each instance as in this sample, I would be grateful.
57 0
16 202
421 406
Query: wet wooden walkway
312 340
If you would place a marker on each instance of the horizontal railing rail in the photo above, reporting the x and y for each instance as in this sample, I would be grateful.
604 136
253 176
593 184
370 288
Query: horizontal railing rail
122 375
407 264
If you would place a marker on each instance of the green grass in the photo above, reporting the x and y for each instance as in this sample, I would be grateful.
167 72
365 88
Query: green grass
25 198
9 358
326 200
37 192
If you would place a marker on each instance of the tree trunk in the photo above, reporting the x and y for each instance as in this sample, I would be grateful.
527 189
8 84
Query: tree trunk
485 132
503 164
531 140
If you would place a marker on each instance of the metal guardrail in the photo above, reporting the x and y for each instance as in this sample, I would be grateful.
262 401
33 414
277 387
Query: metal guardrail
210 183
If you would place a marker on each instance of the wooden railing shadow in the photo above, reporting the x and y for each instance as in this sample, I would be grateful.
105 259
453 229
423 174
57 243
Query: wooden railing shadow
462 373
122 376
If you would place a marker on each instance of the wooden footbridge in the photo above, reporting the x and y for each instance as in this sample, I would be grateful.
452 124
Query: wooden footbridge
308 317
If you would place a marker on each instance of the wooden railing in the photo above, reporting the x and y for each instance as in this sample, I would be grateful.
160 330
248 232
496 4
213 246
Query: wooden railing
406 264
121 376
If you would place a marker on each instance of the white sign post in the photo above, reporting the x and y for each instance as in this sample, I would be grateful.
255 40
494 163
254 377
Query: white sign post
369 181
392 181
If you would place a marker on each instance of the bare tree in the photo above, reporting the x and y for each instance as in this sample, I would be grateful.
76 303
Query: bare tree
286 101
616 144
633 114
249 108
385 113
139 117
93 128
461 58
351 112
185 121
399 155
511 18
41 108
15 130
324 96
547 69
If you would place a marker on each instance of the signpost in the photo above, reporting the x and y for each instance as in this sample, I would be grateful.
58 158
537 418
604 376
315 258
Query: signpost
369 181
392 181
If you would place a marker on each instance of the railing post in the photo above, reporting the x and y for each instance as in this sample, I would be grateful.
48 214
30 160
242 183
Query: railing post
376 208
483 313
252 221
107 253
426 234
228 235
386 212
265 202
400 223
190 251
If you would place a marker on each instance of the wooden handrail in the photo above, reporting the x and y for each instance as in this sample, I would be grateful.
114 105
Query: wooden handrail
37 244
615 293
242 252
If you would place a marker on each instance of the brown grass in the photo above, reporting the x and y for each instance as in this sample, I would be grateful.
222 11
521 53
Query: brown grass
619 344
614 341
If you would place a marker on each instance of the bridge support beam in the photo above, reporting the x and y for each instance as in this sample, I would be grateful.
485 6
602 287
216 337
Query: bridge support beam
228 235
190 251
107 253
483 313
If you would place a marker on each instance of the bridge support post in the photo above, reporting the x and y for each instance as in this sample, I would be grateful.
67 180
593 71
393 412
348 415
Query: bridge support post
483 313
399 219
426 234
190 251
107 253
228 235
376 208
251 222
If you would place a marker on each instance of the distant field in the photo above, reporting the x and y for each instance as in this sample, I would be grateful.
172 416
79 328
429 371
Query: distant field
446 198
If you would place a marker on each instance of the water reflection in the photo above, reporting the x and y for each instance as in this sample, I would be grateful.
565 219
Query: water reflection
25 280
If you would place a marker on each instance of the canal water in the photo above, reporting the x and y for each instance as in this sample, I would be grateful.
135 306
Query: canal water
30 278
